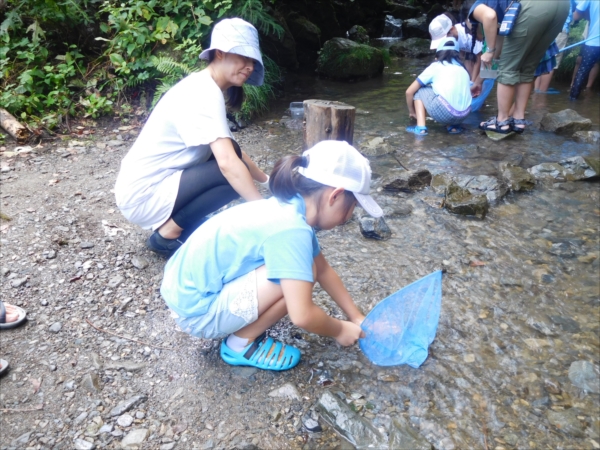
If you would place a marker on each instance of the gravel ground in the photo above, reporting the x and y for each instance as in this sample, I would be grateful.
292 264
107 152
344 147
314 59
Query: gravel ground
100 363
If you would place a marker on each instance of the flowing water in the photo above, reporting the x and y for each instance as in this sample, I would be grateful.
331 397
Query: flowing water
521 294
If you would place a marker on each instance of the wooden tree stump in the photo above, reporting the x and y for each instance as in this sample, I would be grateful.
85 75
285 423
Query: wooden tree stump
327 120
12 126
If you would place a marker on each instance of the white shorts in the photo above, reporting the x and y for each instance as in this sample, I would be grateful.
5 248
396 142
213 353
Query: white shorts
234 308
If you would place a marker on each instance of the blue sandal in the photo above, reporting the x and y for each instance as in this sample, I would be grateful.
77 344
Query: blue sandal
416 129
264 353
454 129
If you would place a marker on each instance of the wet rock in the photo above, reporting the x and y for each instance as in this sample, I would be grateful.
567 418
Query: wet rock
416 28
55 327
355 429
552 386
461 201
135 438
376 146
126 405
548 171
359 34
397 210
288 390
82 444
580 168
517 178
585 375
125 420
565 250
402 436
566 421
115 281
311 423
491 187
90 382
409 181
587 137
18 282
373 228
440 182
86 244
392 27
21 440
139 262
414 47
345 59
566 323
387 377
566 121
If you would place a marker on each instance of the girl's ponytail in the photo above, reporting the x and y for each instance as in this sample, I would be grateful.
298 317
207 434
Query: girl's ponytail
285 181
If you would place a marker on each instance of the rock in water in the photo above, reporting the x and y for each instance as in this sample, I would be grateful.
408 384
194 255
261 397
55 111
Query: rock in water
567 422
411 48
288 390
409 181
461 201
345 59
491 187
402 436
587 137
354 428
566 121
585 375
374 228
517 178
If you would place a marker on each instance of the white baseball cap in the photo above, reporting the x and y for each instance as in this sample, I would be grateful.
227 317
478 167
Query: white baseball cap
438 29
338 164
239 37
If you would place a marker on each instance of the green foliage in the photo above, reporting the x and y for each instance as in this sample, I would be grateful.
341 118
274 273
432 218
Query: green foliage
258 97
83 57
564 72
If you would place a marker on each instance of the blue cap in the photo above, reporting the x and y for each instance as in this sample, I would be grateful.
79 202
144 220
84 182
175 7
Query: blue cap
448 44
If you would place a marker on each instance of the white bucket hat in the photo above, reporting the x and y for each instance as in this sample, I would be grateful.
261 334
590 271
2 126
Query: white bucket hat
438 29
338 164
239 37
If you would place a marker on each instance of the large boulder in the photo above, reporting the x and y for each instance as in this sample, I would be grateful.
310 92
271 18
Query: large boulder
411 48
358 34
416 28
566 121
403 11
345 59
517 178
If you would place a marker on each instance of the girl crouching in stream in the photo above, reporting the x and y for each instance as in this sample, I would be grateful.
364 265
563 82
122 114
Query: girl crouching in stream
443 91
247 267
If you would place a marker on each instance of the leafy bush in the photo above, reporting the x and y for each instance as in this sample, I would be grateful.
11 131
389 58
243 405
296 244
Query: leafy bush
86 57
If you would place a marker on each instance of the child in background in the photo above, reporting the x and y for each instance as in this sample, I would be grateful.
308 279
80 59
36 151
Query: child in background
246 268
442 91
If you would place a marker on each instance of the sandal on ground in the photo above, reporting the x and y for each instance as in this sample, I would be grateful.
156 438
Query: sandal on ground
164 247
264 353
492 124
416 129
518 130
4 325
3 366
454 129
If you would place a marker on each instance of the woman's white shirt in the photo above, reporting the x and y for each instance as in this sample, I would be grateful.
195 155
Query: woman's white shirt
189 117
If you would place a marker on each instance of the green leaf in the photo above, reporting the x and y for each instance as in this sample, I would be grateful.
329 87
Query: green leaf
116 59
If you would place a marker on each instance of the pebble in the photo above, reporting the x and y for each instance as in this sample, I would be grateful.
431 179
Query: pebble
18 282
115 281
125 420
139 262
567 422
44 302
134 438
90 382
86 244
55 327
584 375
106 428
51 254
80 418
126 405
140 415
82 444
168 446
288 390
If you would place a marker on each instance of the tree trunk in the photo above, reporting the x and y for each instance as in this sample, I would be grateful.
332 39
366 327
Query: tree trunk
12 126
327 120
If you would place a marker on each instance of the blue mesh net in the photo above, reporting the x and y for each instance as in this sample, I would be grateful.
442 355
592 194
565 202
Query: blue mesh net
486 88
401 327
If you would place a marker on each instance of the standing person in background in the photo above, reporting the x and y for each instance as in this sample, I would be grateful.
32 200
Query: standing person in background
538 23
594 72
185 163
542 83
590 51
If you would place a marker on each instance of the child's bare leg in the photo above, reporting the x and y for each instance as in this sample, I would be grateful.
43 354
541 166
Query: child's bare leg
421 113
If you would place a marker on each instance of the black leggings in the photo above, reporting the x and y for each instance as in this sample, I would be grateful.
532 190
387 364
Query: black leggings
202 190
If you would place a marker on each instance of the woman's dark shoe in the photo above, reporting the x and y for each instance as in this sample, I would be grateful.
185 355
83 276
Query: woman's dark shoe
521 125
162 246
492 124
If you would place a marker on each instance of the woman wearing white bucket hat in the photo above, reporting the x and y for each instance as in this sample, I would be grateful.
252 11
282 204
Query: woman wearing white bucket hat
185 163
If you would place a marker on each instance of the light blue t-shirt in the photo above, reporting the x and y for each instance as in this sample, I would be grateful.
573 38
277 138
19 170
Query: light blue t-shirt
594 29
451 81
233 243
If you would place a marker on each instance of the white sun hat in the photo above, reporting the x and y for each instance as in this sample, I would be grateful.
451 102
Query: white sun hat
338 164
438 29
239 37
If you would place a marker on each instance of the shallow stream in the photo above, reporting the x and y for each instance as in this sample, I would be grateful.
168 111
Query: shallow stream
521 292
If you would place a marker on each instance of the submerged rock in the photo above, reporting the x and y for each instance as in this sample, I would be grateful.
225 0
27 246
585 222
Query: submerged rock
354 428
440 182
587 137
345 59
566 421
491 187
548 171
566 121
411 48
581 168
517 178
410 181
460 201
373 228
585 375
402 436
376 146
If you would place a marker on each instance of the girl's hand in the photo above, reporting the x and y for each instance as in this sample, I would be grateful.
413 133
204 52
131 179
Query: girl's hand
349 333
412 115
475 90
